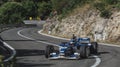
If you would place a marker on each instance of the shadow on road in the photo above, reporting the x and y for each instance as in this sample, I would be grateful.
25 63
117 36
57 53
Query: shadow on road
99 53
26 40
29 52
33 65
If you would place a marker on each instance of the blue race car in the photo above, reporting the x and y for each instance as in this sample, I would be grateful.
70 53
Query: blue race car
76 48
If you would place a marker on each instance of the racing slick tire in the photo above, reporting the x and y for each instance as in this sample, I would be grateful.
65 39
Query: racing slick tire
49 49
84 52
94 47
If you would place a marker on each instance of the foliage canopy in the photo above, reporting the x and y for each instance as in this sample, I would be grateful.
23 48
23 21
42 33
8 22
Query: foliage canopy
14 11
11 12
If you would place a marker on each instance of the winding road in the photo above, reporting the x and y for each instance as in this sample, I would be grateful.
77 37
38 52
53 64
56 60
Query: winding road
30 46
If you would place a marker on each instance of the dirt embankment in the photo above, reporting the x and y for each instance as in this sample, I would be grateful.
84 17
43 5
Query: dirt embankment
86 22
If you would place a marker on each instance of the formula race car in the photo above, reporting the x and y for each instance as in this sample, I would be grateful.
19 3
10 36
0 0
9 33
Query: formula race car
76 48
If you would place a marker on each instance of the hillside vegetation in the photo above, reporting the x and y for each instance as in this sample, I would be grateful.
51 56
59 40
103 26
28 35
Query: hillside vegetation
15 11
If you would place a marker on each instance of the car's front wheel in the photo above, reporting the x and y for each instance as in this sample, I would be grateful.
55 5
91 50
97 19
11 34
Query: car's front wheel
49 49
94 47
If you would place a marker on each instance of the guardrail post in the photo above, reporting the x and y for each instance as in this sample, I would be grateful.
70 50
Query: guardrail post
1 61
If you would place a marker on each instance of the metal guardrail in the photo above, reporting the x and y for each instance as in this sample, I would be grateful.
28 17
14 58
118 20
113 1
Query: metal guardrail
4 27
7 46
6 62
9 56
13 53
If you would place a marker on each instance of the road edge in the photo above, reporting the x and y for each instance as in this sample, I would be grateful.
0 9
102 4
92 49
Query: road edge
13 52
40 32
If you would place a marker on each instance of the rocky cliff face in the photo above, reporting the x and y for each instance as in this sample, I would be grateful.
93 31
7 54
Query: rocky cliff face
86 23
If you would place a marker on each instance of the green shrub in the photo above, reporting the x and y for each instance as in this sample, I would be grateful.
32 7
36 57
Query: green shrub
100 6
118 6
11 12
44 9
105 14
62 6
30 9
110 1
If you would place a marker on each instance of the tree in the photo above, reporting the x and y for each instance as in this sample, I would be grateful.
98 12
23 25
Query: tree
30 8
62 6
11 12
59 5
2 2
111 1
44 9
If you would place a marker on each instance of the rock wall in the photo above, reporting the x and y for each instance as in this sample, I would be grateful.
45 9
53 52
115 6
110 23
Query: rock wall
86 23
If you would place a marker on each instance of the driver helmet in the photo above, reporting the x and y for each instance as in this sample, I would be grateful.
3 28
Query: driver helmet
71 43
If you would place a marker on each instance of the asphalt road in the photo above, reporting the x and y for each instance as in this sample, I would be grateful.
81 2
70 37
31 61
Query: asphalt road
30 53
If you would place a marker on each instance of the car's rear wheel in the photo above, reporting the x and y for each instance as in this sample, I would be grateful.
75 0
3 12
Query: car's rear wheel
94 47
49 49
84 52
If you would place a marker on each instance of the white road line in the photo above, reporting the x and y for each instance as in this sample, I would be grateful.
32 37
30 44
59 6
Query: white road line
98 60
19 33
11 48
109 45
40 32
